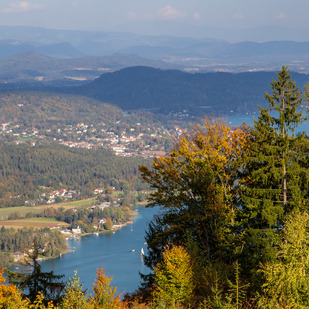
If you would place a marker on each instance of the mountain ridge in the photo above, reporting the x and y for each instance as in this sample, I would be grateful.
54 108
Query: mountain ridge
173 91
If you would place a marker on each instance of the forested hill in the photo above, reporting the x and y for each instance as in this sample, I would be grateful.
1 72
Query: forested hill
43 109
164 91
38 107
25 171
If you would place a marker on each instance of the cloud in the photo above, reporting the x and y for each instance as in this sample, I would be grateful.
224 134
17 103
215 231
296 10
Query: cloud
281 15
196 16
169 12
19 7
165 13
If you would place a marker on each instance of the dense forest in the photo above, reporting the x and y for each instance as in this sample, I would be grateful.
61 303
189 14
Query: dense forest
166 91
26 171
39 108
12 241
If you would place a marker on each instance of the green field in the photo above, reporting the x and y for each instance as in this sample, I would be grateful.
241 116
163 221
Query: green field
82 203
23 210
26 139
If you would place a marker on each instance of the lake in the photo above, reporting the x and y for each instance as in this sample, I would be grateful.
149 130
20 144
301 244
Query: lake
237 120
112 251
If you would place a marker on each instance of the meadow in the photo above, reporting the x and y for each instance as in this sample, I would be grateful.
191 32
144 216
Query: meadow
37 222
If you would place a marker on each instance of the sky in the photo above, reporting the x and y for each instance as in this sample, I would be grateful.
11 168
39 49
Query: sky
234 19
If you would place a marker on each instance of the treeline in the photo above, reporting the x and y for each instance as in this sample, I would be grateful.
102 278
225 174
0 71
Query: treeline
25 170
233 230
12 241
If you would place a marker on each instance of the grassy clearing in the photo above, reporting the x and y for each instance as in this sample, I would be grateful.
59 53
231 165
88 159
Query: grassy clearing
78 203
27 139
23 210
37 223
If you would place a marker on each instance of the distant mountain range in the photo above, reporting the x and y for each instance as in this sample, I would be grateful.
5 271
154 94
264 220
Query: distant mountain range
33 69
173 91
164 74
11 47
189 54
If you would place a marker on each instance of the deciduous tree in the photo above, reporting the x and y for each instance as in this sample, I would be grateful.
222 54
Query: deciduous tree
74 296
287 278
173 278
196 189
104 294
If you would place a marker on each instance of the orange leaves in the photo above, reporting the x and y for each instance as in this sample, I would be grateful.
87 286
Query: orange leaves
104 293
10 295
197 185
216 145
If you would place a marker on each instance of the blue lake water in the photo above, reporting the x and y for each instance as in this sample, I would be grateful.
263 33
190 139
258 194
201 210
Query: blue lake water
237 120
112 251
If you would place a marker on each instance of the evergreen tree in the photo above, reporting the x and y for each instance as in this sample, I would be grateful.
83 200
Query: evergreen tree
49 284
275 175
10 295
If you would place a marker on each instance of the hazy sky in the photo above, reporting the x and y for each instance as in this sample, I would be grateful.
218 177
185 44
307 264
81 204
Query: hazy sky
177 17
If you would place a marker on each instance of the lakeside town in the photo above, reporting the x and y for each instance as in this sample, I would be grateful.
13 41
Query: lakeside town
135 140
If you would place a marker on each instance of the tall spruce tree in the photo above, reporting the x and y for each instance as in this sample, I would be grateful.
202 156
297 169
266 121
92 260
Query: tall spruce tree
275 174
49 284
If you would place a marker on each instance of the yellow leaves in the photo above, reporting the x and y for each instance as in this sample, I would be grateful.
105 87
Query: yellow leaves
39 303
104 293
173 278
10 295
215 142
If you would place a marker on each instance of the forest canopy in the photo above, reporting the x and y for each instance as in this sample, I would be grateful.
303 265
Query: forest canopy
25 169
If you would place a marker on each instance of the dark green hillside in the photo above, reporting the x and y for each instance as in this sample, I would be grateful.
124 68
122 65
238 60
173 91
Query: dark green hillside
172 90
24 170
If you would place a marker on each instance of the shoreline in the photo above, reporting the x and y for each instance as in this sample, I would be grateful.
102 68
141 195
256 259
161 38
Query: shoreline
67 250
130 221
